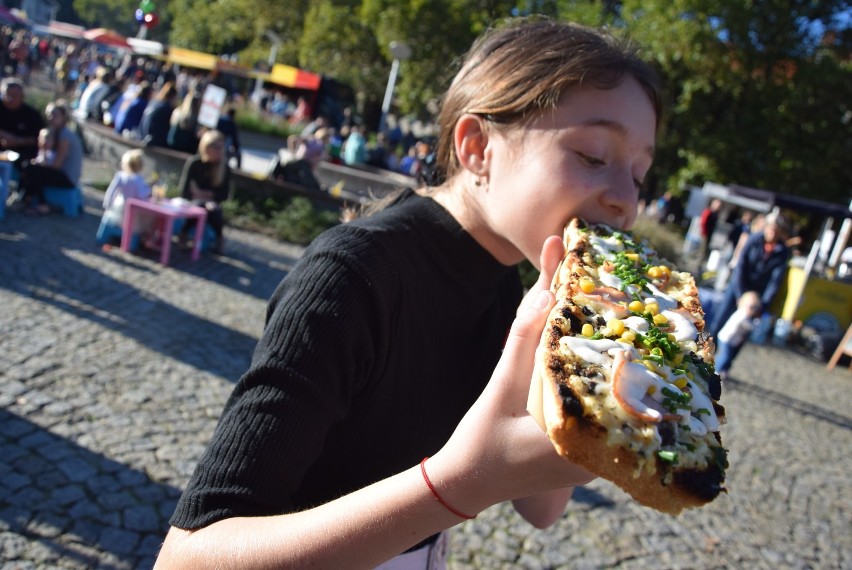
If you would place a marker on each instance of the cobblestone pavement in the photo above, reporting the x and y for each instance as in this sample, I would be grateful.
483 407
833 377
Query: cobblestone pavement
113 370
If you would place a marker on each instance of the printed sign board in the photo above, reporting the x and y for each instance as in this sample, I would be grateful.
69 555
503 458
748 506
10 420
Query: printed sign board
211 106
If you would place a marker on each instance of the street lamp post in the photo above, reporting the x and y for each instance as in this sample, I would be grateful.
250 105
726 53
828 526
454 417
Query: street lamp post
400 51
273 54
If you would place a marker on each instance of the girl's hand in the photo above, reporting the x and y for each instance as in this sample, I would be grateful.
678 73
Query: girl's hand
498 451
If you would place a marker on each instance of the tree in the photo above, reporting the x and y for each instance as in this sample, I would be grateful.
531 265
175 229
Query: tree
118 15
760 92
337 43
232 26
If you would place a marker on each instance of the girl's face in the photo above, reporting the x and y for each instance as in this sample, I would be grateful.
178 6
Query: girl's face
588 158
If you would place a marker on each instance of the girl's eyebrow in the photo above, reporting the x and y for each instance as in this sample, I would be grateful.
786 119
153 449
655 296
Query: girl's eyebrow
616 127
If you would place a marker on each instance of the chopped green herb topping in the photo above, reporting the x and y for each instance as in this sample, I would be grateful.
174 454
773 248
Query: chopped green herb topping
657 339
667 456
627 271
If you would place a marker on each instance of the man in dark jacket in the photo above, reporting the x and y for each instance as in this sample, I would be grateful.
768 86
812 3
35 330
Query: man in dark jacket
19 122
761 267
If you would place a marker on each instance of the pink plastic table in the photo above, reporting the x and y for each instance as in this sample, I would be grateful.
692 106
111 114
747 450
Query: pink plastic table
168 212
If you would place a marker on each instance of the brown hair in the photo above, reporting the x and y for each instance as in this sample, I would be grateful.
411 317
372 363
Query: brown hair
512 75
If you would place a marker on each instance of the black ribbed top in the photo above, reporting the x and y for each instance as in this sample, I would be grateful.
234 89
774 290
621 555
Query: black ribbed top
376 344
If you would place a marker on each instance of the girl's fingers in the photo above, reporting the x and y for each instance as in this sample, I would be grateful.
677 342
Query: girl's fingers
551 254
514 371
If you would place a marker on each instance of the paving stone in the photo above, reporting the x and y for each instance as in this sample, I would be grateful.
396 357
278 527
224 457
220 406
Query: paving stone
68 495
14 481
76 469
142 518
119 541
12 546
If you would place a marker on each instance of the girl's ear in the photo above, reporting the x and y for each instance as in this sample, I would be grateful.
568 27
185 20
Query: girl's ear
471 141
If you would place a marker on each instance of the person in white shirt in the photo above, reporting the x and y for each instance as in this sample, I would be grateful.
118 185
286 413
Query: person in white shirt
735 332
127 183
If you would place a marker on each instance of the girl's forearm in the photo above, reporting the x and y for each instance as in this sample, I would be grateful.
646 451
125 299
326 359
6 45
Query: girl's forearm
359 530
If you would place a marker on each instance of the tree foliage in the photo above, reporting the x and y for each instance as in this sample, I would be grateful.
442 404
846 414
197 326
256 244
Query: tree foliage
760 92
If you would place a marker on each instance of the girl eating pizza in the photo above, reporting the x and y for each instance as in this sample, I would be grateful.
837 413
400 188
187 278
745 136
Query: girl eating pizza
385 403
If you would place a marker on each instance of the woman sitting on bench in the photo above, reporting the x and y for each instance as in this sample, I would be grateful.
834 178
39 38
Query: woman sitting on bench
61 168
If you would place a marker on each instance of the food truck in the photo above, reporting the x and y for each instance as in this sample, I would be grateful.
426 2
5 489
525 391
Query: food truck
816 296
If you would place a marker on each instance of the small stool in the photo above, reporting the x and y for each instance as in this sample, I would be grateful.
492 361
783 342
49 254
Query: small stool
108 231
69 199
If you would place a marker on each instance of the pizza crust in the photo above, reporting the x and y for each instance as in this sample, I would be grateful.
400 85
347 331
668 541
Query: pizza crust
575 432
584 443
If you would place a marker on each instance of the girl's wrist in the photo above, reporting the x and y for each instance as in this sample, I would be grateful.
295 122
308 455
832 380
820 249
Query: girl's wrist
456 485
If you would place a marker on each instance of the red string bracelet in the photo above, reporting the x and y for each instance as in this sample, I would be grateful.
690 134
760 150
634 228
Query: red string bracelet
437 496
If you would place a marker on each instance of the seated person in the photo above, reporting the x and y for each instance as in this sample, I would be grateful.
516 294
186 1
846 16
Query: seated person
20 123
63 168
301 169
183 125
127 183
205 182
155 125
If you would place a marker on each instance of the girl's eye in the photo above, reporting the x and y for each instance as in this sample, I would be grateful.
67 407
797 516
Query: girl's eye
590 160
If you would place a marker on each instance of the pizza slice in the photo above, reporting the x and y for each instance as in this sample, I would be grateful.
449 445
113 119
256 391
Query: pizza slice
624 383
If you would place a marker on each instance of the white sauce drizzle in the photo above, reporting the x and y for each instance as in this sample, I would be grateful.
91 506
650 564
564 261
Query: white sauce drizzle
636 324
700 401
609 279
593 350
683 327
633 387
663 300
605 246
696 426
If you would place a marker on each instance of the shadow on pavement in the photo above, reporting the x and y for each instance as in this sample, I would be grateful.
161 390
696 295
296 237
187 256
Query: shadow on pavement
786 401
592 498
46 270
78 506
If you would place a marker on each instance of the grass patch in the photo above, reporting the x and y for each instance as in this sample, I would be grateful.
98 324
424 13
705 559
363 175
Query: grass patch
295 221
248 119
